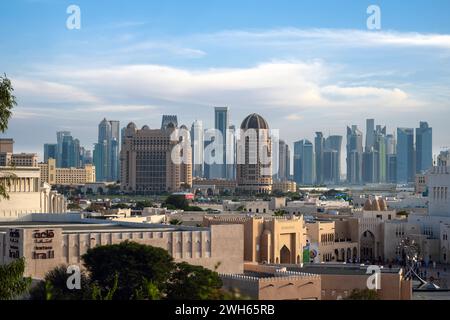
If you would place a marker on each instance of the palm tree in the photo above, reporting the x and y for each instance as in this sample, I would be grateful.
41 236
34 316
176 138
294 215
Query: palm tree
7 102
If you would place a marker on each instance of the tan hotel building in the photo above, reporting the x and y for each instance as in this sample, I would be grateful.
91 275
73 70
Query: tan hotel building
66 176
146 160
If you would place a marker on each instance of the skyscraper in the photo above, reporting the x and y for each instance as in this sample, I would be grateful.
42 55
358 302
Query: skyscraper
230 154
424 147
405 155
332 159
221 124
370 134
50 151
304 162
109 145
254 153
319 154
70 157
59 141
197 143
281 176
354 155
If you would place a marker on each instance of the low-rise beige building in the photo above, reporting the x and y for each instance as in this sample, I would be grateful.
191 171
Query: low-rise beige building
47 241
269 240
284 186
27 194
66 176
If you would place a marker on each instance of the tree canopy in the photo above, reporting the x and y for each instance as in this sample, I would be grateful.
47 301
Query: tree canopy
12 282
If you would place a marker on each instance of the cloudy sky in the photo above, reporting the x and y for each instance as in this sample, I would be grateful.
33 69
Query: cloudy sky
305 66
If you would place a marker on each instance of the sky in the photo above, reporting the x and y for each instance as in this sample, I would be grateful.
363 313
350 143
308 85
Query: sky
305 66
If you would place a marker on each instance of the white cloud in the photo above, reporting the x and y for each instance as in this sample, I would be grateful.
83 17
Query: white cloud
340 37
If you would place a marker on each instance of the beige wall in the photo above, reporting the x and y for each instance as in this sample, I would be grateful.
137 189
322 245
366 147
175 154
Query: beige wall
221 246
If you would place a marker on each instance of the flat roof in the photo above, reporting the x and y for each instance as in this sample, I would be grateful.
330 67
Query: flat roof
340 269
89 227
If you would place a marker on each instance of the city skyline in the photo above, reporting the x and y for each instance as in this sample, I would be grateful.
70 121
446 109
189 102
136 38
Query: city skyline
301 71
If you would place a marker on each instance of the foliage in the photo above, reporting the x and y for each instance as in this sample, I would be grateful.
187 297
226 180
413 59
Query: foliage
7 102
279 213
147 291
73 206
95 208
12 282
194 283
177 201
120 206
193 208
97 292
365 294
176 222
54 286
140 205
132 262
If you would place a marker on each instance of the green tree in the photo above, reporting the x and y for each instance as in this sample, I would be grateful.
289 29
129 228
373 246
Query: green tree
140 205
54 286
365 294
279 213
132 262
12 282
176 222
194 283
176 201
7 103
73 206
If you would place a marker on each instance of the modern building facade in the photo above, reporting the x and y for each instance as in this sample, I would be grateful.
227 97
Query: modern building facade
106 151
254 156
405 155
424 147
354 155
197 143
304 162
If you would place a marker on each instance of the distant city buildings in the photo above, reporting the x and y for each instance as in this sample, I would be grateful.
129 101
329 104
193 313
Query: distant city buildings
354 155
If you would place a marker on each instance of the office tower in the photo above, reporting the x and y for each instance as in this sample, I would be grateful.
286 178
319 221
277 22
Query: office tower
288 162
221 125
331 169
319 142
370 134
391 147
424 147
391 168
147 166
281 175
254 154
405 155
332 166
59 141
197 144
304 173
109 138
380 147
370 166
50 151
354 155
230 154
100 160
70 156
169 119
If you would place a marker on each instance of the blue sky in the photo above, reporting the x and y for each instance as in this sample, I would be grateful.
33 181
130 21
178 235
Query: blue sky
304 65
